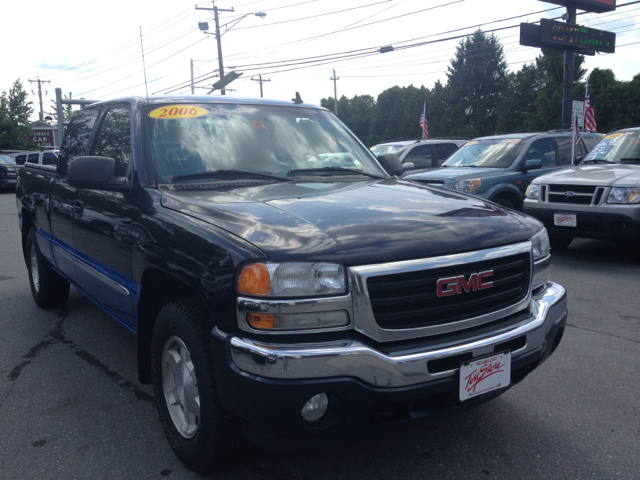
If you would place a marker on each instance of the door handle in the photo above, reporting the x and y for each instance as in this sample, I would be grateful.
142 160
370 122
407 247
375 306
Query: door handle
78 207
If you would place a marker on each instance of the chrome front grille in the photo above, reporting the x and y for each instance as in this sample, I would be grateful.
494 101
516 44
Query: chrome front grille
401 300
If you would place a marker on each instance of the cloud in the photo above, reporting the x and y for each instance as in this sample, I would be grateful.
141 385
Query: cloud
61 66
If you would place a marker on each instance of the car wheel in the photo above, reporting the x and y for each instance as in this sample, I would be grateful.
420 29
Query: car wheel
505 202
198 429
48 288
559 243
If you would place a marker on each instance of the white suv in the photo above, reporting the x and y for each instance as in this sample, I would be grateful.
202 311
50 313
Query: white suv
421 154
599 198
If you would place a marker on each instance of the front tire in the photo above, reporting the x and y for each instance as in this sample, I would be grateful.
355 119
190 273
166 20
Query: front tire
197 427
48 288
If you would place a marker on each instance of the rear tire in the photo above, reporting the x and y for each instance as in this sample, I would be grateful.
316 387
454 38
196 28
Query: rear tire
559 243
198 429
48 288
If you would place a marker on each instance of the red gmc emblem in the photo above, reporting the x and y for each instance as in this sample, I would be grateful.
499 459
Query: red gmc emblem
454 285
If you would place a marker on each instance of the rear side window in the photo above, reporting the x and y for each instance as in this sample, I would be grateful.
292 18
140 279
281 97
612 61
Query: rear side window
114 139
443 150
76 138
49 158
420 156
544 150
33 158
591 142
564 150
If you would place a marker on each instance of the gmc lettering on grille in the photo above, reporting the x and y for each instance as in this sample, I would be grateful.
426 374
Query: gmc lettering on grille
454 285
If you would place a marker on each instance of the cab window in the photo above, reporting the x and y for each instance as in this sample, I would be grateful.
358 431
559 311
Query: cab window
76 137
114 139
33 158
49 158
420 156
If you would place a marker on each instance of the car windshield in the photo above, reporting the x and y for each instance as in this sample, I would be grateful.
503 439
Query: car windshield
490 153
190 140
388 148
616 148
4 160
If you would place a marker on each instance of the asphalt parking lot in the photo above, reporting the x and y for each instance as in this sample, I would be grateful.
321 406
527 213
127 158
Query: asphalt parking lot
71 405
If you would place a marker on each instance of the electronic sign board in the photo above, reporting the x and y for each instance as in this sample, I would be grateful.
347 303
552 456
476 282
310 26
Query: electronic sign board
564 34
597 6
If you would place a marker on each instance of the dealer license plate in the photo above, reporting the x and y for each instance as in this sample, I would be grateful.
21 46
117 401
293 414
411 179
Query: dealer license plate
565 219
485 375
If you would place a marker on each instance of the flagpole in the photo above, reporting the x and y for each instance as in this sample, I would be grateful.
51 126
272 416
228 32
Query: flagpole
574 125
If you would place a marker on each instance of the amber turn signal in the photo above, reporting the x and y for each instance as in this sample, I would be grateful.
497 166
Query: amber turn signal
254 280
260 320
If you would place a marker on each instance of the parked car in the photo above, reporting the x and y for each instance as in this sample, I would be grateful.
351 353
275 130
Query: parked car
599 198
274 292
420 154
8 173
501 167
42 157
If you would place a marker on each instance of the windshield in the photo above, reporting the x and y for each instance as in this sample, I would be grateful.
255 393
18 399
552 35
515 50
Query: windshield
384 149
490 153
616 148
252 138
4 160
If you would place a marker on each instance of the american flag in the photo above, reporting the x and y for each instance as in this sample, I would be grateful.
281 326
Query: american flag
575 131
423 122
589 112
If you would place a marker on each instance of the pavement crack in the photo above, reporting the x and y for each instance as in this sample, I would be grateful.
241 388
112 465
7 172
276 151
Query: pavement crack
603 333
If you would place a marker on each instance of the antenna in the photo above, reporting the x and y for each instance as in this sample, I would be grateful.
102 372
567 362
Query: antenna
144 68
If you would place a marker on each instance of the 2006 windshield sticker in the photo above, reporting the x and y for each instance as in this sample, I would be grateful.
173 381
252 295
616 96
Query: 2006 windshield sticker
171 112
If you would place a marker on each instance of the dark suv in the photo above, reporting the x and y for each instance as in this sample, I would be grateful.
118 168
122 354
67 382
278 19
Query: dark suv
501 167
421 154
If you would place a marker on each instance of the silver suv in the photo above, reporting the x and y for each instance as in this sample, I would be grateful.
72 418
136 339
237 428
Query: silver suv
599 198
421 154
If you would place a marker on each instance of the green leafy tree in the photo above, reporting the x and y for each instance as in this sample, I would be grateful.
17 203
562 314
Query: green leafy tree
15 109
476 82
397 114
519 100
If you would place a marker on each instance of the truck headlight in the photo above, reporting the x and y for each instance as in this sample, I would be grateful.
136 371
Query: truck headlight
541 247
624 195
467 186
292 279
533 191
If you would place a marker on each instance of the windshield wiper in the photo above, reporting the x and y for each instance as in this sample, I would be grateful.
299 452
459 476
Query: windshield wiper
330 171
215 173
598 161
630 160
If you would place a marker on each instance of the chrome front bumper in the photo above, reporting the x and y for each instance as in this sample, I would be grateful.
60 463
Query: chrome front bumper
354 359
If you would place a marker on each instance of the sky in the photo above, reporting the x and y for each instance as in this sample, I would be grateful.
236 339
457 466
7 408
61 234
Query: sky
93 50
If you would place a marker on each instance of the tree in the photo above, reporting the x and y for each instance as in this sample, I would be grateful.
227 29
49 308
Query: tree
15 109
476 82
519 100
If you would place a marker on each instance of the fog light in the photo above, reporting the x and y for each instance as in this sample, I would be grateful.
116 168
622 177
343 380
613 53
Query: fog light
315 408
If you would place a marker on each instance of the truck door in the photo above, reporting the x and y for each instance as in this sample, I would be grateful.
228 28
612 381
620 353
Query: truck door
102 222
63 195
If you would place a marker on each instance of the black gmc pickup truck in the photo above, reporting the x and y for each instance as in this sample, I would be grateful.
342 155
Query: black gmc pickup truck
280 279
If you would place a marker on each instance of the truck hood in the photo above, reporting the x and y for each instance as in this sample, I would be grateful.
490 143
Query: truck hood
458 173
355 223
598 175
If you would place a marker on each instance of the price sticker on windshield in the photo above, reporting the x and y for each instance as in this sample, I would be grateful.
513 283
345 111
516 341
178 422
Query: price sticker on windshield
172 112
470 143
613 136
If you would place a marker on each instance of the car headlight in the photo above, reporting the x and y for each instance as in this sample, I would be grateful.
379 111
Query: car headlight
467 186
533 191
541 247
292 279
624 195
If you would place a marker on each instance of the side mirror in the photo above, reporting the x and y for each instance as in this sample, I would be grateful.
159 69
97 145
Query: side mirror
97 173
532 165
408 166
577 160
391 163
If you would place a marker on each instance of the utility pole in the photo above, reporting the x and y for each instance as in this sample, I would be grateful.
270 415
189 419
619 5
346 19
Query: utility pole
569 68
215 11
192 86
335 92
40 82
261 82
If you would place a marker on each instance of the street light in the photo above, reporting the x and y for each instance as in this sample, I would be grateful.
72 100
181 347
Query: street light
204 26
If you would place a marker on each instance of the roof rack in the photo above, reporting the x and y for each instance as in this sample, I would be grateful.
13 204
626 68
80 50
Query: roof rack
626 126
449 138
